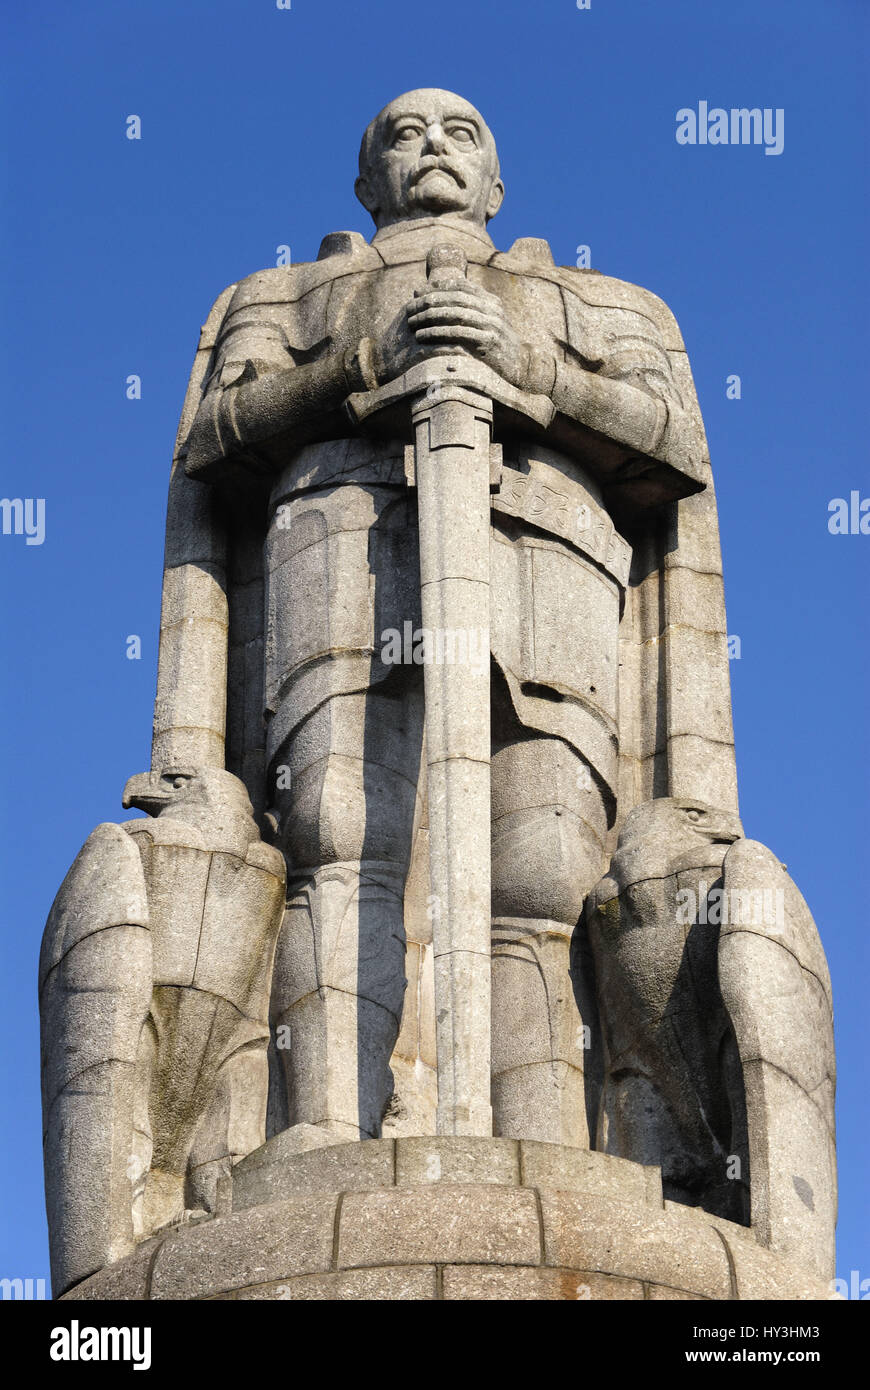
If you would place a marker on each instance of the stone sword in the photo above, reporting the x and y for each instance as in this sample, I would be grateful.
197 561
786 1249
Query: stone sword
451 399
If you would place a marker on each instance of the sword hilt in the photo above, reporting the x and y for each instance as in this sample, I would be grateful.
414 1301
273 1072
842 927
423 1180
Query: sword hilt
444 264
457 372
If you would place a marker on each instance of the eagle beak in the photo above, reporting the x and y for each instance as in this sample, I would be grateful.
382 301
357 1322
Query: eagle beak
726 832
146 792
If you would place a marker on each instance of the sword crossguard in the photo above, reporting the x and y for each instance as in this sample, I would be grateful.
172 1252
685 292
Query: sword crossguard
439 377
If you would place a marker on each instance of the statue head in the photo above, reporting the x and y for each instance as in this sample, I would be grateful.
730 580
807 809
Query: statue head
189 793
671 821
429 153
672 834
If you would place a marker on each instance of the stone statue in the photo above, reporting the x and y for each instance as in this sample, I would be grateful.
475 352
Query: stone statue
716 1012
340 771
672 1091
154 995
443 598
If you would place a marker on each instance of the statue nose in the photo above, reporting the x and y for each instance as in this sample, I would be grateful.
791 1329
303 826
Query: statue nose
435 137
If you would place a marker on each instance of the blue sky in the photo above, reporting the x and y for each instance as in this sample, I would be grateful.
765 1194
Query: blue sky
113 251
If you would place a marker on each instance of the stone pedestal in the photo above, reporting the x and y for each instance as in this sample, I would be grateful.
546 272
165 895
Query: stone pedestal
449 1218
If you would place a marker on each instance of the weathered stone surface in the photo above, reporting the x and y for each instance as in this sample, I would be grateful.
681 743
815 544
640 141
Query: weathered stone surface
259 1247
126 1279
762 1274
437 1239
698 662
413 1104
698 765
457 1159
446 1224
546 1100
695 600
194 661
659 1293
216 899
412 1284
95 984
616 1238
515 1285
270 1174
792 1155
775 983
604 1175
195 591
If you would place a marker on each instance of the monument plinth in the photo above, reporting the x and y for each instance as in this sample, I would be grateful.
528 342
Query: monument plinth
452 1218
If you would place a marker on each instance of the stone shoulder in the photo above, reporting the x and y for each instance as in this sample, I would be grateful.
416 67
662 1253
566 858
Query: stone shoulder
348 253
532 256
341 253
606 292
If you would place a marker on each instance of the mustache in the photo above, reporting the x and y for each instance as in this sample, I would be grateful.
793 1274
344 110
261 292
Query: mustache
436 162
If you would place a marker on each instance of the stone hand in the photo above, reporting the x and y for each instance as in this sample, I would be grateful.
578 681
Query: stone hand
465 317
456 317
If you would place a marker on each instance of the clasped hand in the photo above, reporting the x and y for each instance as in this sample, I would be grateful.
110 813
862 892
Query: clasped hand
457 317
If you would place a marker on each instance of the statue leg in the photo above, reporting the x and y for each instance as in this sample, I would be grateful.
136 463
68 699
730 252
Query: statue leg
185 1046
234 1122
549 824
347 823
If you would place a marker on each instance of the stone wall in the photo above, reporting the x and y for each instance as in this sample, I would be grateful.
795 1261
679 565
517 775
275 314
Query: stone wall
450 1218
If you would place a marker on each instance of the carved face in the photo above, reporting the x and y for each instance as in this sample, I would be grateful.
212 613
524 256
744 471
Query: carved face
427 154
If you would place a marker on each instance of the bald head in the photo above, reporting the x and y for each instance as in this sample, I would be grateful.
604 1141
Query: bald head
429 153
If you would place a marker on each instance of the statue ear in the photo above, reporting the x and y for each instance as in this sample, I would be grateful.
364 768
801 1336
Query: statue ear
364 192
495 199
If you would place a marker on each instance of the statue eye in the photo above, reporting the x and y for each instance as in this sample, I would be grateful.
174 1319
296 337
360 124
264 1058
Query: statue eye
462 136
694 815
405 133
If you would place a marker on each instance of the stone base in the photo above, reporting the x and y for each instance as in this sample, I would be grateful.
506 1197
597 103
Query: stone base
450 1218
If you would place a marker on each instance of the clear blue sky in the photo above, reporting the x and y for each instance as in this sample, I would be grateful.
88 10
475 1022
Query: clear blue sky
113 251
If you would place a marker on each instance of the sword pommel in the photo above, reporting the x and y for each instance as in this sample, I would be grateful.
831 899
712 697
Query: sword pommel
444 264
